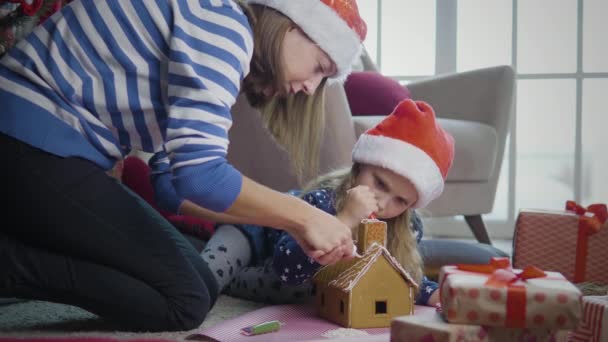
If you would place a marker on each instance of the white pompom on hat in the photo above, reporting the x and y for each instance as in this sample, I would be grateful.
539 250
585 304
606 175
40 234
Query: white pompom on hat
412 144
334 25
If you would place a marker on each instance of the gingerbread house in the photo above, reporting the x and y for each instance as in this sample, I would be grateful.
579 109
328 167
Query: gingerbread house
366 292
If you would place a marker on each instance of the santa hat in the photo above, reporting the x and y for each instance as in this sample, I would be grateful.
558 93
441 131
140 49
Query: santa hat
410 143
334 25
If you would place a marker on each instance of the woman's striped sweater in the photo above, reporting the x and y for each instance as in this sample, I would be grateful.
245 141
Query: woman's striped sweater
103 77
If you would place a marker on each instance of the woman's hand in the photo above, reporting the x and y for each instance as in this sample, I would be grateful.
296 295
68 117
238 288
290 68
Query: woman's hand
325 238
360 203
322 236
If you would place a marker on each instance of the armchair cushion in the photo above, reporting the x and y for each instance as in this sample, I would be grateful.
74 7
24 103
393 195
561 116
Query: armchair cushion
440 252
371 93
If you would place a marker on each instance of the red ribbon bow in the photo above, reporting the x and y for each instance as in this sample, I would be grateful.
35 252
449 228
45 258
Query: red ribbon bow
502 275
590 222
501 272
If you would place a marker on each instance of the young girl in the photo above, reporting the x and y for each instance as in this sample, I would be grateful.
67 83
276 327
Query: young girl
399 165
101 78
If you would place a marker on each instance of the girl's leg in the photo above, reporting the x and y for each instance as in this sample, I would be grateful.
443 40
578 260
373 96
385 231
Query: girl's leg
261 284
226 253
81 238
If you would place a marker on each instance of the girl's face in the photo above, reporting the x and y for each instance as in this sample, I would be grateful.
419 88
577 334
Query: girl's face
305 64
394 192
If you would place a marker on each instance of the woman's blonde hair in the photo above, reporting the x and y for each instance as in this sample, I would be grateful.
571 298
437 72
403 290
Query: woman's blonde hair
296 121
401 240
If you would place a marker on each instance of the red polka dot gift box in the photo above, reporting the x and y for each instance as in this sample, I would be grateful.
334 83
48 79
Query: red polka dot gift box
572 242
496 294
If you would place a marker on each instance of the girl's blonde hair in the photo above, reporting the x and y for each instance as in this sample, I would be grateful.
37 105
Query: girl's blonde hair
296 121
401 240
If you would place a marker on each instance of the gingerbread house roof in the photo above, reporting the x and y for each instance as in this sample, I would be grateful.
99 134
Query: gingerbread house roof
345 275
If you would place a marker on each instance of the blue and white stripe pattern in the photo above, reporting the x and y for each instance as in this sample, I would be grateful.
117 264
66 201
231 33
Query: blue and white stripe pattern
103 77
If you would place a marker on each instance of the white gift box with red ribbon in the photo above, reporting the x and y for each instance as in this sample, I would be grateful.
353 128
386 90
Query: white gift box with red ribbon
497 295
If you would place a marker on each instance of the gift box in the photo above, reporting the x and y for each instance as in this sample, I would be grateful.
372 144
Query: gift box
572 242
594 323
498 295
430 327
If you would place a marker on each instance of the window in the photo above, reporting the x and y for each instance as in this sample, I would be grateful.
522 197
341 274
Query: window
341 306
560 53
381 307
322 299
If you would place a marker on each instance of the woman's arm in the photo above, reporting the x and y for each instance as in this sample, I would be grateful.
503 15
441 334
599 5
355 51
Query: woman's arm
188 208
202 87
321 235
289 261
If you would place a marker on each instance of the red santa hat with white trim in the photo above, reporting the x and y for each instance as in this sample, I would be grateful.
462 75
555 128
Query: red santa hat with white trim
337 27
412 144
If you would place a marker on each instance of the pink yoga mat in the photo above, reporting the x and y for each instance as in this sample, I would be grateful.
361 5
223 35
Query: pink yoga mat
301 323
77 339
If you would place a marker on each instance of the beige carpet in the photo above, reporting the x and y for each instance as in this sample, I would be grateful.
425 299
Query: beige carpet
35 319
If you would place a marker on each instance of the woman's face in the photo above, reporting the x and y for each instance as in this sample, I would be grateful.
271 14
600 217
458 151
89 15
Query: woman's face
394 192
305 64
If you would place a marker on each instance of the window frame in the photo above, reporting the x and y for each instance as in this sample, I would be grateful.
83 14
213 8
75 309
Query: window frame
446 46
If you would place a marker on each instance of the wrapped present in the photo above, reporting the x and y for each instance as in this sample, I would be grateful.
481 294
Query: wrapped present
430 327
498 295
572 242
594 323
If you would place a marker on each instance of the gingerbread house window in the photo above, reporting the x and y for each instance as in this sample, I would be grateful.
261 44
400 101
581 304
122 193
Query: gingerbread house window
322 299
381 307
342 307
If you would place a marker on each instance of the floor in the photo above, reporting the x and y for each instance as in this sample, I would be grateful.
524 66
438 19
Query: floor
36 319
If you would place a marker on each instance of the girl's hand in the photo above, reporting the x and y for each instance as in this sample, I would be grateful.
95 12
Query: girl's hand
360 203
434 298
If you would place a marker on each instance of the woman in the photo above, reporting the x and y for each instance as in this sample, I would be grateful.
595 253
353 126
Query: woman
101 78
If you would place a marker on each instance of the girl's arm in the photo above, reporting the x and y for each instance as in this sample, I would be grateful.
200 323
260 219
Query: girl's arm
428 289
428 294
290 263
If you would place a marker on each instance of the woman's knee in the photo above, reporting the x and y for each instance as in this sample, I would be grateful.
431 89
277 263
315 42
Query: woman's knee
188 310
